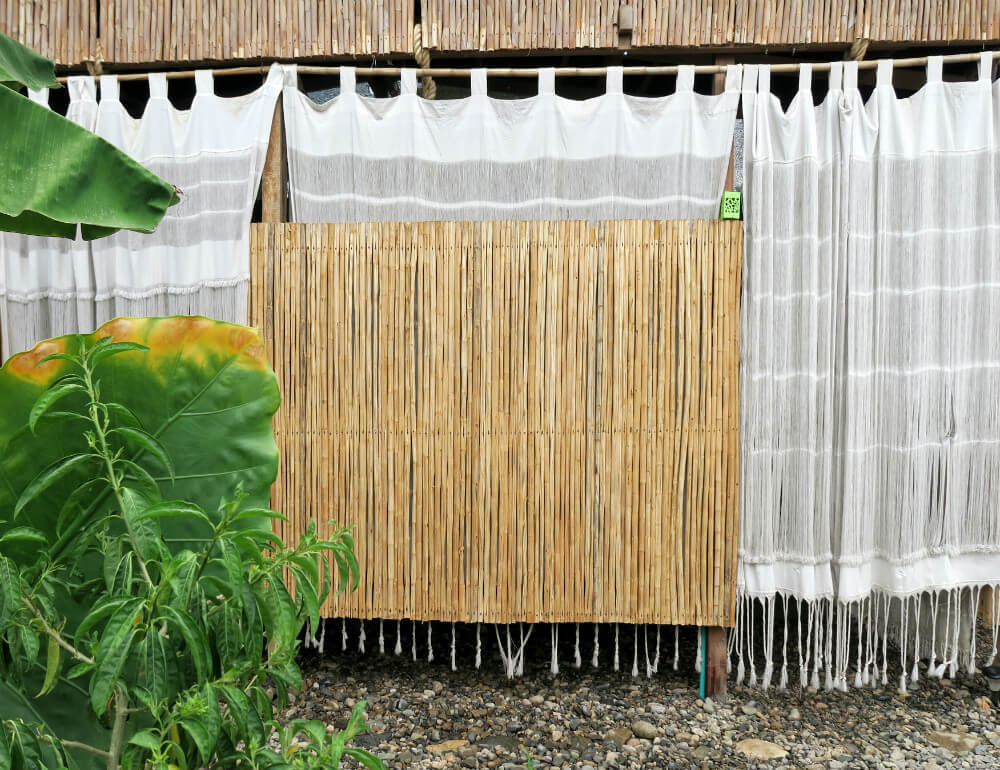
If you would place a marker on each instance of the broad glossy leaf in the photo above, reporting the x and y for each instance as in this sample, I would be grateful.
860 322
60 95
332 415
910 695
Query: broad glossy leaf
83 179
122 620
49 398
29 643
10 589
197 644
50 476
23 534
143 440
365 758
145 531
20 66
177 509
107 673
147 738
200 735
153 664
112 348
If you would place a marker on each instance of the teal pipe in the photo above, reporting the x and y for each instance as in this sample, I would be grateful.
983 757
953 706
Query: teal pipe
703 641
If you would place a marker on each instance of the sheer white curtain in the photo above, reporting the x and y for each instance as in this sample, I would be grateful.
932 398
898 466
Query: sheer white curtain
197 261
870 381
478 158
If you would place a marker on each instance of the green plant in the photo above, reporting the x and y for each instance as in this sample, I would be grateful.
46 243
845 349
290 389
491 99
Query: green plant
141 626
55 174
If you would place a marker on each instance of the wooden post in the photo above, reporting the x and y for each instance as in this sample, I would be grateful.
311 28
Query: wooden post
715 674
274 181
274 197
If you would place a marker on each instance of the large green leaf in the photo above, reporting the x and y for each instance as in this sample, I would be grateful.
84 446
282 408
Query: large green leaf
20 66
204 391
56 174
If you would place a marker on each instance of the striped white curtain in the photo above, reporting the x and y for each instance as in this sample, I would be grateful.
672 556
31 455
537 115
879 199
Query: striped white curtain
871 371
196 262
356 159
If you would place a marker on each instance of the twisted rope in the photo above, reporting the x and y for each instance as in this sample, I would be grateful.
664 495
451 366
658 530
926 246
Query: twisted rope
423 61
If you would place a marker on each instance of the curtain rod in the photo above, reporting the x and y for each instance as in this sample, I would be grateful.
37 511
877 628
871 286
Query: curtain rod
565 72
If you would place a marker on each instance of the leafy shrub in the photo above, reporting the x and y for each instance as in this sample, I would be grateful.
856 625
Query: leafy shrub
145 621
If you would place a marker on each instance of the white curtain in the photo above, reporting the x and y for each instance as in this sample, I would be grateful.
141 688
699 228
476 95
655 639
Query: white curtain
545 157
870 379
196 262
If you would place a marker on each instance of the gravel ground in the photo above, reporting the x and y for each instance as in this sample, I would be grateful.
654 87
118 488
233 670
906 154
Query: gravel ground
423 715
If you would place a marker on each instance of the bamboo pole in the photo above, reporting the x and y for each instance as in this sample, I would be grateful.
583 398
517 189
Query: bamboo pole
532 72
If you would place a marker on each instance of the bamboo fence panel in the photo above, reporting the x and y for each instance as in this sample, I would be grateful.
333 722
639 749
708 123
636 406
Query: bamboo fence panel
490 25
195 30
62 30
147 31
526 421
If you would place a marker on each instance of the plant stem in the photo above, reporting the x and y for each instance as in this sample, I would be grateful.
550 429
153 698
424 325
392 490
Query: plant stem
118 730
85 747
56 635
105 453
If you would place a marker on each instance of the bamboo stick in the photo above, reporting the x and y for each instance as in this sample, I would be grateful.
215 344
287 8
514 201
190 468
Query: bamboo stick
531 72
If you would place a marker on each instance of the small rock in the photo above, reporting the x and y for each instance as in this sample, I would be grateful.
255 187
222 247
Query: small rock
536 700
441 748
749 708
983 703
656 708
644 729
753 748
958 743
620 735
709 705
794 715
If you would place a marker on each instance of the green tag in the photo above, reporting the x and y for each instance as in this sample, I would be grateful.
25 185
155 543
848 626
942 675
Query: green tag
731 205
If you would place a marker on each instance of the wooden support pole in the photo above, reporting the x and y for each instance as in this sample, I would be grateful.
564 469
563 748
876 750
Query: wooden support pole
273 198
274 180
715 673
715 663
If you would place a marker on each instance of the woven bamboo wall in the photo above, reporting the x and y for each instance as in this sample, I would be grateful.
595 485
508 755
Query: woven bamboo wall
174 30
133 31
64 30
462 25
526 421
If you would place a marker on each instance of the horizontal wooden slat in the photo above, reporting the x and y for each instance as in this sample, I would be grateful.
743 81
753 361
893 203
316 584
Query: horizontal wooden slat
526 421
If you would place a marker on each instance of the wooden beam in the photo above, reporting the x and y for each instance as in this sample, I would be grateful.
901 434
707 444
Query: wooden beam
274 180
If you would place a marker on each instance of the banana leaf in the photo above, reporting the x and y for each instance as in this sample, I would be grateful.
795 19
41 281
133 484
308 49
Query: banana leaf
204 389
56 175
20 66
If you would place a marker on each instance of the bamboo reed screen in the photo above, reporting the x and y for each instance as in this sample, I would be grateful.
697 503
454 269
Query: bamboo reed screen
174 30
133 31
63 30
462 25
528 421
